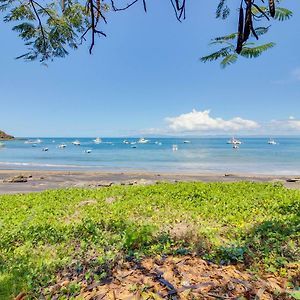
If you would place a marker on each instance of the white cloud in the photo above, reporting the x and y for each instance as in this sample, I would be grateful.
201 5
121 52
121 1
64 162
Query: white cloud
290 124
202 121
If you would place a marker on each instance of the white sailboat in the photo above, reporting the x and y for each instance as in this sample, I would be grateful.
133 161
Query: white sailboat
272 142
97 141
62 146
234 141
37 141
76 143
143 141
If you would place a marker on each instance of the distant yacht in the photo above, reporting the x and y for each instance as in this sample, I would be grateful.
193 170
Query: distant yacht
62 146
97 141
235 147
88 151
234 141
45 149
143 141
76 143
37 141
186 142
174 147
272 142
126 142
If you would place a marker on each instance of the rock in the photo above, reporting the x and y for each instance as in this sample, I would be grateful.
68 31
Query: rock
105 183
4 136
293 180
16 179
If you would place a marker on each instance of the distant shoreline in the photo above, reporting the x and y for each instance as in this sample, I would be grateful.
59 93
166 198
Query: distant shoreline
36 181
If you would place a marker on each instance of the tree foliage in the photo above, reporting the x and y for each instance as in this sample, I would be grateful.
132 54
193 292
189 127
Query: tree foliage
51 29
250 13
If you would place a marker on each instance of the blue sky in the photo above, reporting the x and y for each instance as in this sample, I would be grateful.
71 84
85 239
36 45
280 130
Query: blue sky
146 78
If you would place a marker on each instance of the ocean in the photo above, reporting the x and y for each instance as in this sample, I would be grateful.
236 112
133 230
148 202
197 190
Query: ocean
201 155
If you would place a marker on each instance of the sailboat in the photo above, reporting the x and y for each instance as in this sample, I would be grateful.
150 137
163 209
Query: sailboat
143 141
272 142
76 143
97 141
234 141
37 141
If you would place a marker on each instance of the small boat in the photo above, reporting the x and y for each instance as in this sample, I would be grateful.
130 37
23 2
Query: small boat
132 143
272 142
143 141
76 143
45 149
88 151
134 147
37 141
234 141
174 147
97 141
126 142
235 147
186 142
62 146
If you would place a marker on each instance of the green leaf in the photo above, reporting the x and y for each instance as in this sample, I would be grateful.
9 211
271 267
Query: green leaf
229 60
251 52
295 294
214 56
282 14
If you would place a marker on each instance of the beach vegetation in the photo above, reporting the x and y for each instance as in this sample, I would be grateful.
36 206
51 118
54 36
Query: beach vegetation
255 226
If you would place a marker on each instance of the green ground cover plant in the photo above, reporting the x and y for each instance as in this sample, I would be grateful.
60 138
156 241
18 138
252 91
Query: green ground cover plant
253 225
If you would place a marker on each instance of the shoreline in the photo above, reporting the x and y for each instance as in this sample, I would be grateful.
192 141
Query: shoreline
26 181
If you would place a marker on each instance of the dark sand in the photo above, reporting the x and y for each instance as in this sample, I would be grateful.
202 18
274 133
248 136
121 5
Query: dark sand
44 180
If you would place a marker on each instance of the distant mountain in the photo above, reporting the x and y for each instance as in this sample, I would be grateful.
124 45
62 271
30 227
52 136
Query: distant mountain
4 136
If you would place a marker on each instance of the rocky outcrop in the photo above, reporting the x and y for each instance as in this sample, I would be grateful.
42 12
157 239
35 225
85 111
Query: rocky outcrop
4 136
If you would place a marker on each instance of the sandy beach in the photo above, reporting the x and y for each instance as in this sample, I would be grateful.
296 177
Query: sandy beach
16 181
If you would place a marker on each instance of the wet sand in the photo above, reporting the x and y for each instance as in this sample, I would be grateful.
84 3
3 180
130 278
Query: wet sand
36 181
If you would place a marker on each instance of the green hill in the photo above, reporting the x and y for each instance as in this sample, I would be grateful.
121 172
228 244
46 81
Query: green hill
4 136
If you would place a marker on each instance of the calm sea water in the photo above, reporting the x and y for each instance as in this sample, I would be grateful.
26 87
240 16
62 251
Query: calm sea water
202 155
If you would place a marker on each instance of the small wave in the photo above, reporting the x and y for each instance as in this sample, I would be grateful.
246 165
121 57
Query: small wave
32 164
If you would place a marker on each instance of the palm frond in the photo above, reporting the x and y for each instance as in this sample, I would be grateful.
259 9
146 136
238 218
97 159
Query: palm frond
282 14
228 37
229 60
261 30
221 53
251 52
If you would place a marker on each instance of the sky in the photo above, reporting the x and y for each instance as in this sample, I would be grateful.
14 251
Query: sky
145 78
